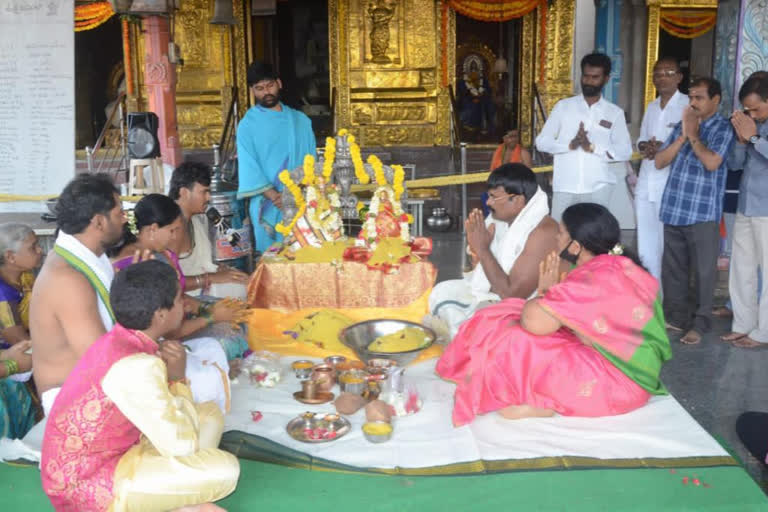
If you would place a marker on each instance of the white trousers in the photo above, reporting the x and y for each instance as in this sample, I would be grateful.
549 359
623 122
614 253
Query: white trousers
562 200
650 235
750 251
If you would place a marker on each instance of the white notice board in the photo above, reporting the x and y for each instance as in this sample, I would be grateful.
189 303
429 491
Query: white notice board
37 99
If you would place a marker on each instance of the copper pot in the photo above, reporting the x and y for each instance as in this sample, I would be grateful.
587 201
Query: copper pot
324 376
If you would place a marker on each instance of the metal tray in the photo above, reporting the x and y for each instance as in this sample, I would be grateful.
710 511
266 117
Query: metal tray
327 426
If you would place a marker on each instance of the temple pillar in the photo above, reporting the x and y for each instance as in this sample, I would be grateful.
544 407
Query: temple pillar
160 81
608 41
752 36
583 37
726 38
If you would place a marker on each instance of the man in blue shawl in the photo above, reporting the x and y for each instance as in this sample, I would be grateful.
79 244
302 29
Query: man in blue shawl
271 137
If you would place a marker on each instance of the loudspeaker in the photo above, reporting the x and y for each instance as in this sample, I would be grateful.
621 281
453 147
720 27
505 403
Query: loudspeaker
142 135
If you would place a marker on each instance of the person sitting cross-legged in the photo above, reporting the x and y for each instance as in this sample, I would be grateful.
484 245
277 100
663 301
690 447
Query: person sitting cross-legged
591 343
506 249
124 432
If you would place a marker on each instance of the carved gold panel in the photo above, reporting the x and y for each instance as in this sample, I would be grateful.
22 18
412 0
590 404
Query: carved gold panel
385 79
394 95
655 8
385 71
204 81
557 45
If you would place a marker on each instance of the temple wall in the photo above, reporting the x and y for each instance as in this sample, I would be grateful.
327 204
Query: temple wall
752 44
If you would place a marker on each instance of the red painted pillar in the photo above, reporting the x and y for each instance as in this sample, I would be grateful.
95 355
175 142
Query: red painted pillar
160 79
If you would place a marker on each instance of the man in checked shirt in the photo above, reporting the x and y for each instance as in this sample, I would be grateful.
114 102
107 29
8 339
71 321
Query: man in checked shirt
691 208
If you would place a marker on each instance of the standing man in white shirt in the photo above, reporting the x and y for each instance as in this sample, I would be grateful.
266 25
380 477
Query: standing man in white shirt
585 133
660 118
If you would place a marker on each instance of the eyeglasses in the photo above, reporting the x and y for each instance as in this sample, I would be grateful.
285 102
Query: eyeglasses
492 199
665 74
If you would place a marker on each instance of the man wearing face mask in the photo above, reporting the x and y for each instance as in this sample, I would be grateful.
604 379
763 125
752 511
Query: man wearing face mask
691 208
271 137
585 133
750 231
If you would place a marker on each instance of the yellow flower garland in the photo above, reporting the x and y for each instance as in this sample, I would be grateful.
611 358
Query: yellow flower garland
397 181
378 170
309 170
357 161
285 179
330 157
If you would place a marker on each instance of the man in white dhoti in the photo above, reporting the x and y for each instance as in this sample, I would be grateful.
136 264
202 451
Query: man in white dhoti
660 118
70 306
506 249
191 189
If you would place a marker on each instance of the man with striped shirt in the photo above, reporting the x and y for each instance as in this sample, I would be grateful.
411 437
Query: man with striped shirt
692 206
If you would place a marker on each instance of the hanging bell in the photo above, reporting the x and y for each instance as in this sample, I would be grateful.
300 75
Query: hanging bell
149 7
222 13
121 6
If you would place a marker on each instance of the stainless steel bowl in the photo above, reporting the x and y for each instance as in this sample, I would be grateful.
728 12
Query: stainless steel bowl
358 336
378 438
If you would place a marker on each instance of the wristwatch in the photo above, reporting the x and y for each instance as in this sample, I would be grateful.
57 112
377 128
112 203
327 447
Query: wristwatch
753 139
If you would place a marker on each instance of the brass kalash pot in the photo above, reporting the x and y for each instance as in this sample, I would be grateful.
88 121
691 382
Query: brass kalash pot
229 229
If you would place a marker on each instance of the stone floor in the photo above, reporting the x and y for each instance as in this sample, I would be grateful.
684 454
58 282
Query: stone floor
714 381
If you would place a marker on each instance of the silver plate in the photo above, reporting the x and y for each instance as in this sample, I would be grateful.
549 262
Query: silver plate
296 428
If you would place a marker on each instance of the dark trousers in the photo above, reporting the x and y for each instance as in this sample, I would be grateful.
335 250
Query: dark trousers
752 428
690 248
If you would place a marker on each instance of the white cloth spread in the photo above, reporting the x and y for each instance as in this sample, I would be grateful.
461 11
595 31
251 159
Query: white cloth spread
100 266
456 300
200 260
659 429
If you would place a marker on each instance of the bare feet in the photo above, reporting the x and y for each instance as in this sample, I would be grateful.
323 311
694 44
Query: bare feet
732 336
747 342
204 507
691 338
516 412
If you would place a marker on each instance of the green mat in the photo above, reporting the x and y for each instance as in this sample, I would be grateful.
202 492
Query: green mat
271 487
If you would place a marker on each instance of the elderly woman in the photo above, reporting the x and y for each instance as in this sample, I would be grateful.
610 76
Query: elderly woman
20 254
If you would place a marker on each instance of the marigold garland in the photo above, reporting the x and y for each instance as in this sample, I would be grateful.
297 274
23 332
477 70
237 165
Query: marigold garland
688 24
397 181
330 157
92 15
378 170
285 179
309 170
357 162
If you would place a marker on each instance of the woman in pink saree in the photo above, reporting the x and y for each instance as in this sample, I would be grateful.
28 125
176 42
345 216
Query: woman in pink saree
590 344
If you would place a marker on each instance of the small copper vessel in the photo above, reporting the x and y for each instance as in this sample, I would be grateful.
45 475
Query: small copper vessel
324 376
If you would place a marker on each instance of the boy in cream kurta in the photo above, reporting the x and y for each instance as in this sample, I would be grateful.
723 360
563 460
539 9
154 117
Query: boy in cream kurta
124 433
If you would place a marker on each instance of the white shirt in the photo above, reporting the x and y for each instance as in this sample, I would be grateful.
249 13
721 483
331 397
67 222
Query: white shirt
578 171
658 122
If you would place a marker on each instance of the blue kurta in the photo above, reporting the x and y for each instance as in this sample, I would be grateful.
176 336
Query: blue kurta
269 141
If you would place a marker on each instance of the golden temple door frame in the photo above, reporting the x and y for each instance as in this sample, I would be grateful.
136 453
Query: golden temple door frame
413 108
654 26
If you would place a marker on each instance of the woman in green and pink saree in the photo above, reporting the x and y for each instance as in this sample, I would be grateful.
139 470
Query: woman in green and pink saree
590 344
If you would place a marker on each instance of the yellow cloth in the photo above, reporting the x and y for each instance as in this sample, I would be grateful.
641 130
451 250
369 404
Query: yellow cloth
329 251
176 462
266 328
